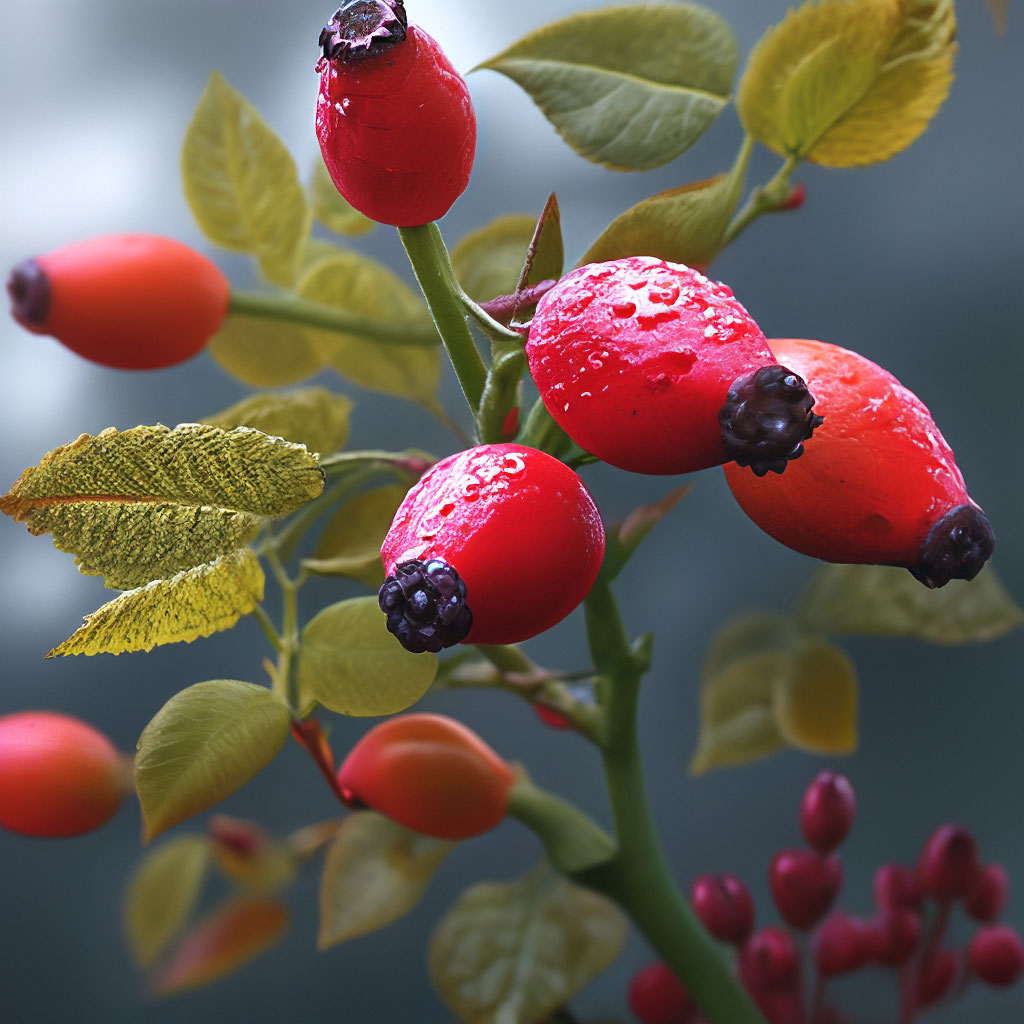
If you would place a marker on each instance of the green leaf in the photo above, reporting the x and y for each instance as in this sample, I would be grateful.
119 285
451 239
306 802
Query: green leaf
197 602
487 262
351 543
548 258
638 524
202 745
162 894
627 87
314 417
351 664
221 943
266 353
887 601
242 184
682 225
357 284
331 209
849 84
514 952
375 872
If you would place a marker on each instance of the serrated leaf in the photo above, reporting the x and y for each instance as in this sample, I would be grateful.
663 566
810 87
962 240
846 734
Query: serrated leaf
197 602
887 601
223 942
514 952
682 225
314 417
351 664
350 545
331 208
357 284
242 184
202 745
266 353
375 872
627 87
487 261
847 84
162 894
815 703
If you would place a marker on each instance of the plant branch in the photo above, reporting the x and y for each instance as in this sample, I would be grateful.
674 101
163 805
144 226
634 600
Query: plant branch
768 198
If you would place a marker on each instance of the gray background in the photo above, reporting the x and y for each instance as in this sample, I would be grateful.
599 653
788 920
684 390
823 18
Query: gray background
915 263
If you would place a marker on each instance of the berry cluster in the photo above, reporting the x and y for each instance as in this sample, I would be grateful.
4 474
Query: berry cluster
907 932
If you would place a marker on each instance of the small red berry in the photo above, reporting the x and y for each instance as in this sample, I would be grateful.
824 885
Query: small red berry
654 368
724 906
826 814
996 955
897 932
879 484
988 894
769 960
949 863
510 425
394 118
134 302
656 996
897 886
938 977
430 774
842 944
58 775
517 538
803 886
796 198
551 718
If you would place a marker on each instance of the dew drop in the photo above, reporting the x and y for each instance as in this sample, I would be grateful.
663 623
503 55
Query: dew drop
710 313
624 309
664 290
513 464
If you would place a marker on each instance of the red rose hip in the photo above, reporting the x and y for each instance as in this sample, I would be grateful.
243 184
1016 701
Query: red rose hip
654 368
724 906
996 955
394 119
827 810
493 545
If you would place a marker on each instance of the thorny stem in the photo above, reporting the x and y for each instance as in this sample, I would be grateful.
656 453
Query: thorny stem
292 309
501 307
767 198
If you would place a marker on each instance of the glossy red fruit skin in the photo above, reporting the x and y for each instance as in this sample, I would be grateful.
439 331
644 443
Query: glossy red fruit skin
988 893
397 131
996 955
876 476
803 886
842 944
897 886
516 524
58 775
949 863
827 812
430 774
725 907
132 302
769 960
634 358
656 996
938 978
897 933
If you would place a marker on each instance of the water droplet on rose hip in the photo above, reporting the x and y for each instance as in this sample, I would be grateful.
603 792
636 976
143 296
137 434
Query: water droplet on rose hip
710 313
513 464
595 361
664 290
624 309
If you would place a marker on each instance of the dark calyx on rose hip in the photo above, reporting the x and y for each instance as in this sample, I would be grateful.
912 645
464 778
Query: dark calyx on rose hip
364 28
956 548
29 291
425 603
765 419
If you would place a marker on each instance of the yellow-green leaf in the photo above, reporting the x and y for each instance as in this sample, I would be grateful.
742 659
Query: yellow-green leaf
223 942
314 417
488 261
242 184
357 284
887 601
514 952
849 82
627 87
202 745
332 210
351 664
197 602
350 545
815 702
162 894
375 872
266 353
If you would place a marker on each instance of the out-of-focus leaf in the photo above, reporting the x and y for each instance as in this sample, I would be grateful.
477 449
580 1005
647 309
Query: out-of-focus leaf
202 745
375 872
633 531
888 601
222 943
514 952
197 602
162 895
1000 10
357 284
350 544
242 184
314 417
849 84
351 664
265 353
331 209
627 87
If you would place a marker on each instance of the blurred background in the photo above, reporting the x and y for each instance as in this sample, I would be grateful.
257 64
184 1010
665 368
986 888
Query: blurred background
915 263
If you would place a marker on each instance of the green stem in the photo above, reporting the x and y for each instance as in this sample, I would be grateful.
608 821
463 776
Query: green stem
285 684
292 309
433 270
412 462
766 198
268 627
